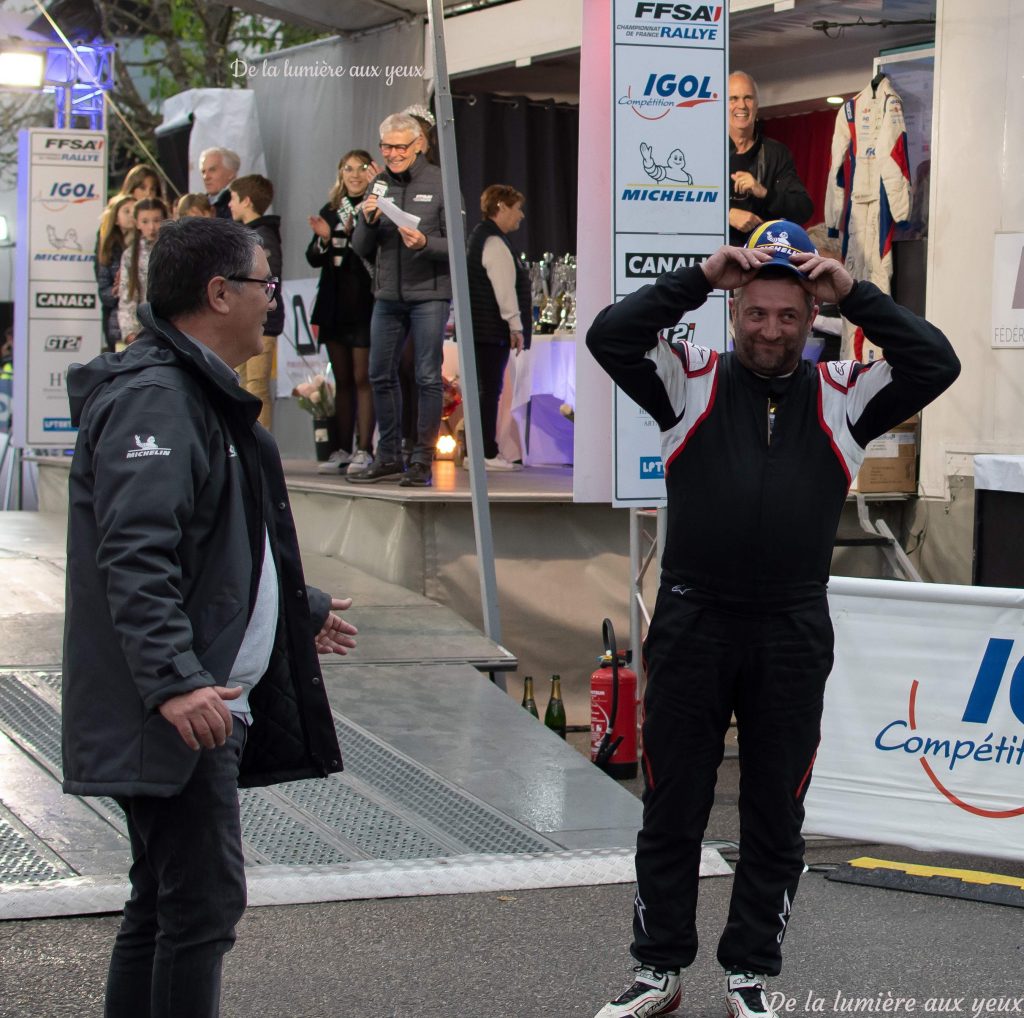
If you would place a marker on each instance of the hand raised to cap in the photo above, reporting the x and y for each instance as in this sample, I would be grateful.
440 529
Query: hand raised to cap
824 278
730 267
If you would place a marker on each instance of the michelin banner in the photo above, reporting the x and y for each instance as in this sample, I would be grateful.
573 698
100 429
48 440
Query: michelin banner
670 196
922 739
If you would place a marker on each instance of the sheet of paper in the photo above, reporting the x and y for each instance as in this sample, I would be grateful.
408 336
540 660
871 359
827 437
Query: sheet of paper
397 215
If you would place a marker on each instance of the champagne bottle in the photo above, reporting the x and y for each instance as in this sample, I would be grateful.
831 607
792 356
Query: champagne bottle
554 716
529 703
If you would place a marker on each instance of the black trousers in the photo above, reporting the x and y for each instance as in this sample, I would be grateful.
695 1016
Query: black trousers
491 361
704 663
188 892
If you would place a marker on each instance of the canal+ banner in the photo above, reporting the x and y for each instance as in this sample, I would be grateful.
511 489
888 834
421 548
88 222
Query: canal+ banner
922 740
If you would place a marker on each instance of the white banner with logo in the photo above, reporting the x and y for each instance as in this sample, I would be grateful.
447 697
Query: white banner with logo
670 164
298 356
62 179
922 739
1008 292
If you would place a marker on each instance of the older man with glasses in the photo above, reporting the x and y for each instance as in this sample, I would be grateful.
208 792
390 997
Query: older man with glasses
191 637
412 293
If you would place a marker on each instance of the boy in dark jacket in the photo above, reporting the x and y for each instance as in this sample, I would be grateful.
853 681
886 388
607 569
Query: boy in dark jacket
251 196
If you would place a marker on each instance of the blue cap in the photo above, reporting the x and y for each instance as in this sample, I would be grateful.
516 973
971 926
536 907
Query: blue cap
781 238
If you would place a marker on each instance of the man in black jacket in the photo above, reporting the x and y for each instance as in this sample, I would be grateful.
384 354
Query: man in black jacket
412 293
765 184
759 448
218 167
191 638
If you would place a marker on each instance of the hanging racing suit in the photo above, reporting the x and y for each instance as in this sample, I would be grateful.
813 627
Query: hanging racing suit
870 127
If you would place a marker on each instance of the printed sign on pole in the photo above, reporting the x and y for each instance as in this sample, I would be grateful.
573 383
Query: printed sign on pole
62 179
670 165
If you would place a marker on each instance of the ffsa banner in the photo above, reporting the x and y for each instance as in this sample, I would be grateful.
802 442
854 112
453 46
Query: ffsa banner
670 166
922 740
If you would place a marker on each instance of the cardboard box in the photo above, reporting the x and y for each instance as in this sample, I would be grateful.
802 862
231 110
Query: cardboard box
891 461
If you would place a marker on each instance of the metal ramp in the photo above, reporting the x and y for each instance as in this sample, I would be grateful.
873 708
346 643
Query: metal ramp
449 786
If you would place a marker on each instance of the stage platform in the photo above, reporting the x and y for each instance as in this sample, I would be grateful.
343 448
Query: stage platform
451 484
449 785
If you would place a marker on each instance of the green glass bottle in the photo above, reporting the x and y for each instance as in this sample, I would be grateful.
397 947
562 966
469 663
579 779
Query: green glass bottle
554 716
529 703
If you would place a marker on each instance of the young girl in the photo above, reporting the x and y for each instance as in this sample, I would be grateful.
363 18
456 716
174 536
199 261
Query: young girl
342 312
148 216
141 181
115 230
194 204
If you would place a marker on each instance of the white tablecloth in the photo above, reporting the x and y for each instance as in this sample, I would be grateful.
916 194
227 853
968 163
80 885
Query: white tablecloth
999 472
531 426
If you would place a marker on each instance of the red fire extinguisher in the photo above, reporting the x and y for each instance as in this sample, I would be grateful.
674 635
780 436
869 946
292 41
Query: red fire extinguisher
613 706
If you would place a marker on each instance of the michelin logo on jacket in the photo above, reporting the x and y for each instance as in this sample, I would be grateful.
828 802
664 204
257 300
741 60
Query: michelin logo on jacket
146 447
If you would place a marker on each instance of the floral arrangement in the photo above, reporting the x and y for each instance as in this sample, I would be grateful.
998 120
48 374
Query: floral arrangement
451 396
316 395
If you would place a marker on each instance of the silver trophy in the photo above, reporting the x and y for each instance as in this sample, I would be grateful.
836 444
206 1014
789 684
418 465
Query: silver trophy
550 312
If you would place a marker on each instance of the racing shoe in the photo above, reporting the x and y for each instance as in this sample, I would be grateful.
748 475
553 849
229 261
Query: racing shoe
651 992
746 995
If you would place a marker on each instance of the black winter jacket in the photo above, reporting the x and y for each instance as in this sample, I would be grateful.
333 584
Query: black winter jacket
171 486
269 229
399 272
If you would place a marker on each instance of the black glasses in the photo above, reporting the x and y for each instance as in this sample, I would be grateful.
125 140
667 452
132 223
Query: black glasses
400 149
269 285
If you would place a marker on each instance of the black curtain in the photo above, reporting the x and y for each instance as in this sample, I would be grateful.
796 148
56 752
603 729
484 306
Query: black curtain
534 146
172 151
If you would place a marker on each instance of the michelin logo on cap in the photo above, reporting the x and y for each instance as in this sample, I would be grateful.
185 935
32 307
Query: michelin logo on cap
783 239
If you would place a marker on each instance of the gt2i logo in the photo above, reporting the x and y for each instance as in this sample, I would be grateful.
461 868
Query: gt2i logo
683 332
972 746
63 344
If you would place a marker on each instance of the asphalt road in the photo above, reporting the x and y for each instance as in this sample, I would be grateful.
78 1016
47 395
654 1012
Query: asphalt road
562 952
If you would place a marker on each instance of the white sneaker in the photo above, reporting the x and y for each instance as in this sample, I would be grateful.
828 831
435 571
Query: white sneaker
746 995
497 463
335 463
360 460
500 463
651 993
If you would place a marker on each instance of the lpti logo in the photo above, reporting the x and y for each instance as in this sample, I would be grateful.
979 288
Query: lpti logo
986 747
651 468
